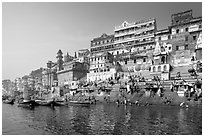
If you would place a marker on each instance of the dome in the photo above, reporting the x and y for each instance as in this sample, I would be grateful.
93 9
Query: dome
137 67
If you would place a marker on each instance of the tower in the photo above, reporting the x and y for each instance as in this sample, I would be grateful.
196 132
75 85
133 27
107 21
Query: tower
59 60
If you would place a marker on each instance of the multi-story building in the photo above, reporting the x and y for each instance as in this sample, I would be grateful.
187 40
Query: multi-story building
83 55
101 59
161 60
185 31
135 36
103 43
101 67
135 42
49 75
72 71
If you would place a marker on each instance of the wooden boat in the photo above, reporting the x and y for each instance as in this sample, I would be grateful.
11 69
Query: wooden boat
44 103
60 103
83 103
9 101
27 104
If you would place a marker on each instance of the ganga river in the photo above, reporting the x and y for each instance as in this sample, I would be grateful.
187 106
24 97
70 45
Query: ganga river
101 119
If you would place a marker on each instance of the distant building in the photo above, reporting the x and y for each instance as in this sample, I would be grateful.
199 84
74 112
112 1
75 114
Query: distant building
73 71
68 57
37 75
6 84
50 74
103 43
83 55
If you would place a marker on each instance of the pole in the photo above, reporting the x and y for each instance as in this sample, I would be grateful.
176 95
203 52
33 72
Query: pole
50 78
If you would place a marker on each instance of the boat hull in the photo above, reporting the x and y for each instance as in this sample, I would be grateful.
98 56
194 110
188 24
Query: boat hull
8 102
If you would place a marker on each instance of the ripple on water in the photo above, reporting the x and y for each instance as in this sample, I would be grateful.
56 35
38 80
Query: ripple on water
101 119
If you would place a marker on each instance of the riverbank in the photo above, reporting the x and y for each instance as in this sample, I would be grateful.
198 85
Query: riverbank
168 98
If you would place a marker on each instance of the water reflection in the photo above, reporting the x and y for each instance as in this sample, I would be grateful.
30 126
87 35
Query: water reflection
102 119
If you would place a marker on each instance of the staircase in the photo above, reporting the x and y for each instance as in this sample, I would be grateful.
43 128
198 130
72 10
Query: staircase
185 76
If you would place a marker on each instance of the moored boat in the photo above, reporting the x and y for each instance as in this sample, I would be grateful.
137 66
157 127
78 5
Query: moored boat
9 101
27 104
44 102
83 103
60 103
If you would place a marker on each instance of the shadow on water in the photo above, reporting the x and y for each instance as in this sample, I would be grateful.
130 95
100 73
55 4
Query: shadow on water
102 119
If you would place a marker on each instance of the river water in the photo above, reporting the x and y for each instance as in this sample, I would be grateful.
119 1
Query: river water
101 119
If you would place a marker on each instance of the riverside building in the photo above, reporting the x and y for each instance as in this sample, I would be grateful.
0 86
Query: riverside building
101 59
161 60
134 44
71 70
186 32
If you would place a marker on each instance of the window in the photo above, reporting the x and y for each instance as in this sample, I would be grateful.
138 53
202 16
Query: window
186 38
134 60
122 51
169 48
150 47
186 47
144 48
144 59
163 59
117 52
194 37
104 57
159 38
95 59
200 26
165 68
126 62
177 47
159 68
103 42
169 36
186 29
107 41
177 31
154 69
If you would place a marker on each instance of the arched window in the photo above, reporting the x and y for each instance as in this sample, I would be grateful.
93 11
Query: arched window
159 68
165 68
154 69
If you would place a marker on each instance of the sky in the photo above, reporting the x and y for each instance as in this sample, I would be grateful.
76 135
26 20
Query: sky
32 33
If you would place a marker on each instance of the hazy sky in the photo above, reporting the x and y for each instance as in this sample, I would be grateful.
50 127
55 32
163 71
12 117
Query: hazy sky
34 32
